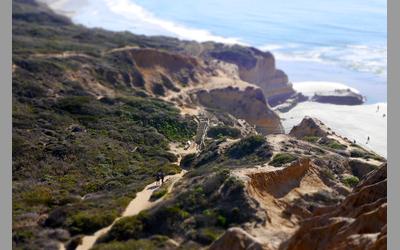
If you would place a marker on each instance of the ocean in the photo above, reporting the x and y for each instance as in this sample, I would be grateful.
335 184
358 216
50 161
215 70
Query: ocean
340 41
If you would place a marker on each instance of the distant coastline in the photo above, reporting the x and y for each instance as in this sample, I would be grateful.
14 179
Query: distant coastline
351 52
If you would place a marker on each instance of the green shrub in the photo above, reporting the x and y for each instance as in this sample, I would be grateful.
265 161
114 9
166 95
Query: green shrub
221 131
158 194
221 221
246 146
351 181
355 145
187 160
127 228
22 236
156 242
282 158
40 195
328 173
77 105
158 89
357 153
176 212
88 222
312 139
208 235
336 145
171 169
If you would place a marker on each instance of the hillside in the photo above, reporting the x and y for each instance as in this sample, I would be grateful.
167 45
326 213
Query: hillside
96 114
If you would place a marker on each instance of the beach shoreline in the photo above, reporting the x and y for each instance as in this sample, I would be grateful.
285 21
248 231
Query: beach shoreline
354 122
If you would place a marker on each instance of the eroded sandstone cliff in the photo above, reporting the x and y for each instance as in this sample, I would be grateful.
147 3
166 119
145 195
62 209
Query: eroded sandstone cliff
256 67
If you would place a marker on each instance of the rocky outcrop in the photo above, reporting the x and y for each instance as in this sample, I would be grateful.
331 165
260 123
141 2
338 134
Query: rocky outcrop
359 222
360 167
248 104
339 97
161 71
308 127
291 102
236 238
259 68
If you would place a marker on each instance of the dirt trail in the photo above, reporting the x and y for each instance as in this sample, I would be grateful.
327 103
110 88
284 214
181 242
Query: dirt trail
66 54
139 203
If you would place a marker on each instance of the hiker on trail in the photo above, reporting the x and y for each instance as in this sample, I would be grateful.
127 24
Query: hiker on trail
157 178
162 177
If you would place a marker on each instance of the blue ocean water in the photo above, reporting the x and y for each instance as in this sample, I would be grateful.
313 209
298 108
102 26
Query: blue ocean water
313 40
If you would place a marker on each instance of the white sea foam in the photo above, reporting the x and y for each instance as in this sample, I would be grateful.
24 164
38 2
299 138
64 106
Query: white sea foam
362 58
134 12
143 21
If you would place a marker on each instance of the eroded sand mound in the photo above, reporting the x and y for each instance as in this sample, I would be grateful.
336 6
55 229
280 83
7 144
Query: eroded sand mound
359 222
288 194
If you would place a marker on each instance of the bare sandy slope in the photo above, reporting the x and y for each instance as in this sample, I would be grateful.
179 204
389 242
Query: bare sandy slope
141 202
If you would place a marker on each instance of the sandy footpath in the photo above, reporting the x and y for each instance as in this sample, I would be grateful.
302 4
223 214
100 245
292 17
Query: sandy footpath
139 203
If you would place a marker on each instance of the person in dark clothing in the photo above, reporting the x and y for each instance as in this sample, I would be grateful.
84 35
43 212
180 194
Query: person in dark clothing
158 178
162 177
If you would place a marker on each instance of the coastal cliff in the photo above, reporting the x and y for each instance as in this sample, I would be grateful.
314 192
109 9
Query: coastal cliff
97 114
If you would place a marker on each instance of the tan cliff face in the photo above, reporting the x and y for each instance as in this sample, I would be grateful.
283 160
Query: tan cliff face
248 104
161 71
189 81
259 68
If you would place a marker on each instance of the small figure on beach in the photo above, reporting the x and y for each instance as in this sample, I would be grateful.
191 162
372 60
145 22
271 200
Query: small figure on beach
377 109
384 115
355 142
367 140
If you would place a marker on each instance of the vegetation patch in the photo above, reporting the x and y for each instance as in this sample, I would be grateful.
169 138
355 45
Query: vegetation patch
153 243
281 159
88 222
312 139
350 181
187 160
221 131
246 146
161 191
208 235
200 212
328 173
336 145
358 153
